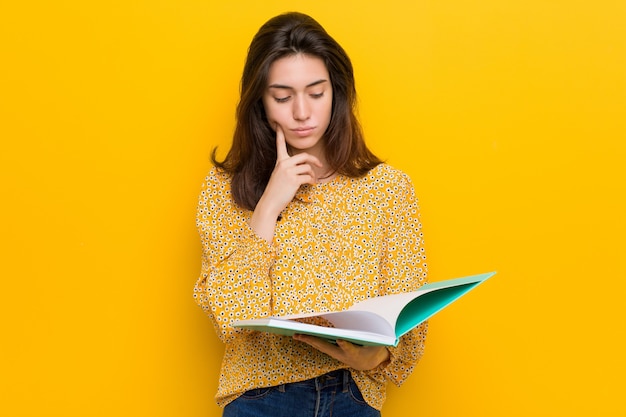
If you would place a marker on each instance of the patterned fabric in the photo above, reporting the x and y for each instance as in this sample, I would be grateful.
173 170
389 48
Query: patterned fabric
337 243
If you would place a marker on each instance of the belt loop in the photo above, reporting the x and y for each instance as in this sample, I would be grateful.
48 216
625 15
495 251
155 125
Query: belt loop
346 380
281 388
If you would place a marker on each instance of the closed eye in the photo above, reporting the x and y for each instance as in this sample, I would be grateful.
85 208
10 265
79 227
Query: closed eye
282 99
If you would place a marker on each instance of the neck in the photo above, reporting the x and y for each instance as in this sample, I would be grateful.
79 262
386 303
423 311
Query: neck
329 175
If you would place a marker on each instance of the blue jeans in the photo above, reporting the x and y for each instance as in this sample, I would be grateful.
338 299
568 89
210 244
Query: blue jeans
333 394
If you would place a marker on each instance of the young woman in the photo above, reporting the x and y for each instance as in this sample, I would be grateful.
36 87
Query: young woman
299 217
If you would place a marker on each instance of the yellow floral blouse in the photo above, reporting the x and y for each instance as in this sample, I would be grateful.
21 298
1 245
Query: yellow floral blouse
336 243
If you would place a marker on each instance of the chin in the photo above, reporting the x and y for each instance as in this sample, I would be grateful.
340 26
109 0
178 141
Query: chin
304 144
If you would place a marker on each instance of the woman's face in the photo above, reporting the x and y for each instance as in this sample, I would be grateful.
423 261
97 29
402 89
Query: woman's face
299 99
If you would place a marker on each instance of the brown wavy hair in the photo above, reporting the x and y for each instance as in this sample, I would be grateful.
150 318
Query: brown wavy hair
252 156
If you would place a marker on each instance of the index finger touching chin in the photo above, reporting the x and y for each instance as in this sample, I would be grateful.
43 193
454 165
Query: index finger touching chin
281 144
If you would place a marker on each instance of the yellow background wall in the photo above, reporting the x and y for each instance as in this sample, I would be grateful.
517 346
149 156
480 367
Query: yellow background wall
510 116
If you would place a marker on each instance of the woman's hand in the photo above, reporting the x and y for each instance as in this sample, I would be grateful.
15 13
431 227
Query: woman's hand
289 174
361 358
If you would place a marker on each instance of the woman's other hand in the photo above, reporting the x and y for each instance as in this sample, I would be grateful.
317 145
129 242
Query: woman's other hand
361 358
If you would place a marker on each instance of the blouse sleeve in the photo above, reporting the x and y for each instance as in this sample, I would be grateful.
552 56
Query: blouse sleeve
404 268
234 281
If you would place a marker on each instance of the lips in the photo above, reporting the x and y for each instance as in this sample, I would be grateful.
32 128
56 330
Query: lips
303 131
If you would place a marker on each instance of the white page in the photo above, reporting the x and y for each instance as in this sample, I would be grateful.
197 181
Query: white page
361 316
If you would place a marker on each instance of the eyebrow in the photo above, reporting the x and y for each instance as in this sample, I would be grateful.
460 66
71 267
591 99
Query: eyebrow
286 87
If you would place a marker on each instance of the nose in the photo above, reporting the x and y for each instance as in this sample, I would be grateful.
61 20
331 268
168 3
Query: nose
301 109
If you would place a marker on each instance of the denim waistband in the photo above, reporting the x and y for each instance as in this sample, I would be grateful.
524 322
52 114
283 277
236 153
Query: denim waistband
340 377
